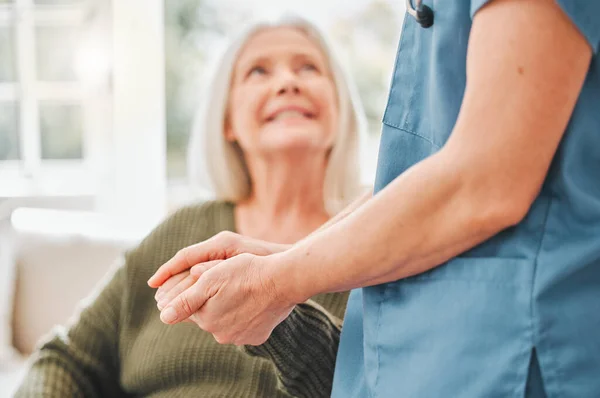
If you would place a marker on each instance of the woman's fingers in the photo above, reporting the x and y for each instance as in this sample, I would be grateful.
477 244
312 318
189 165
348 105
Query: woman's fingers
222 246
173 281
198 269
179 288
185 259
185 304
216 247
169 283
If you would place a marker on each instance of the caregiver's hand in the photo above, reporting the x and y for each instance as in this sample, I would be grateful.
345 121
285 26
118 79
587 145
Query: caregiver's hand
220 247
238 301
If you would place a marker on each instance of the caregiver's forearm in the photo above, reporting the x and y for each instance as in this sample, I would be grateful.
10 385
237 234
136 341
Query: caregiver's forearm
345 212
426 216
515 109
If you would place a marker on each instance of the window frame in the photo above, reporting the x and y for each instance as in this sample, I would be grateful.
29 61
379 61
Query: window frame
31 175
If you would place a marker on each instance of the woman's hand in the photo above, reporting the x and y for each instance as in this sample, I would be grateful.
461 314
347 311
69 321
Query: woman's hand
238 300
220 247
180 282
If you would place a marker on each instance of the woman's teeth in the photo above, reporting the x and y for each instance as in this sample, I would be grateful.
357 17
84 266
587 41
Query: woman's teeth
289 115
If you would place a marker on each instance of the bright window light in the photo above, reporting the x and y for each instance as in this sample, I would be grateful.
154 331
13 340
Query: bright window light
92 63
65 224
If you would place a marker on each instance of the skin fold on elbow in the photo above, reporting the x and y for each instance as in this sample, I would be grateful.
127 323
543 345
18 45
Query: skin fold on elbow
493 201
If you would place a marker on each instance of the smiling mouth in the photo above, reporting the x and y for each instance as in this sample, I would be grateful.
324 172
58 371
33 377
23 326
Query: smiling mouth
291 114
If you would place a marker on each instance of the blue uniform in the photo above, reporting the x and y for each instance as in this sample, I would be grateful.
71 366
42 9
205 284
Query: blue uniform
518 315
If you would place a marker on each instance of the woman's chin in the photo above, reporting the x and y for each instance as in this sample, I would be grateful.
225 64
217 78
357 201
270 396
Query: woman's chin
301 135
296 140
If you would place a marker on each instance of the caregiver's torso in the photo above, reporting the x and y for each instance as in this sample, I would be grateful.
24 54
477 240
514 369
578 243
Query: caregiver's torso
425 98
478 316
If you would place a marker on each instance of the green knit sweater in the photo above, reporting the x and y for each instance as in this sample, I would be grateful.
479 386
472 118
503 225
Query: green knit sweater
117 346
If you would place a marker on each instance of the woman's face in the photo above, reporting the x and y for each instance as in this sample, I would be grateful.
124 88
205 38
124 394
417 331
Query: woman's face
282 95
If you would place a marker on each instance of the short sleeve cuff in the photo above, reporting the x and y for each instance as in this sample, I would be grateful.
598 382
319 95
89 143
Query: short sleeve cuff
585 15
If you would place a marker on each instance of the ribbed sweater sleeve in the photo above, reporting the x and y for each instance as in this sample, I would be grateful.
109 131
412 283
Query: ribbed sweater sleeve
118 347
82 360
303 349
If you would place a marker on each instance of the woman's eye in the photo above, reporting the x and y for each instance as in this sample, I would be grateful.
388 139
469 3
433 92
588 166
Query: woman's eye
309 67
257 70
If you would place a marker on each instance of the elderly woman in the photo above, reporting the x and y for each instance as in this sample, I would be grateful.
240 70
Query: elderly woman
279 132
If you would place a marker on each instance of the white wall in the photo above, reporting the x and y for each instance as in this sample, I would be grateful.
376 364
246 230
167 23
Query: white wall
136 187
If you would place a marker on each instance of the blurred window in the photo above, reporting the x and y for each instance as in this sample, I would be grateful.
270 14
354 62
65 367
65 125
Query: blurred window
44 100
56 2
61 131
7 49
9 132
55 53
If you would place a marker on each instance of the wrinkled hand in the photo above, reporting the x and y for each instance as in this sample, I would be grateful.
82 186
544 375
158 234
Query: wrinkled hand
174 286
222 246
177 284
237 300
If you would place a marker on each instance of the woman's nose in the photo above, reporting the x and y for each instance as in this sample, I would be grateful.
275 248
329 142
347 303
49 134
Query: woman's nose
289 88
287 84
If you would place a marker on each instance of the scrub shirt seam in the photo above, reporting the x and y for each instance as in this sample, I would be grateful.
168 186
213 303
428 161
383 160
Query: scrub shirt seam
379 310
533 319
395 70
386 119
416 43
396 126
487 282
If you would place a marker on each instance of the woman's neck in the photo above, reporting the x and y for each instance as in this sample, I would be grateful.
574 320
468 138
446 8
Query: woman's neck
286 202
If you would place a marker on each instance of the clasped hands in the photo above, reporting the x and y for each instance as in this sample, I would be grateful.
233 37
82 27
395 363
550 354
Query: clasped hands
228 286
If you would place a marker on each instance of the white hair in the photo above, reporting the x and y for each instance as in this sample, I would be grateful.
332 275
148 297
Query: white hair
218 164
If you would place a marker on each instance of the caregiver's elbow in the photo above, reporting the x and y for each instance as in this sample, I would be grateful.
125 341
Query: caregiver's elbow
494 202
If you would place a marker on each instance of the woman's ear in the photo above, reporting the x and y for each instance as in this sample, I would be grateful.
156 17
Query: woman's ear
228 131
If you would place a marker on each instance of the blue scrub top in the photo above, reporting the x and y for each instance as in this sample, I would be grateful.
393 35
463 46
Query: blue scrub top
468 328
